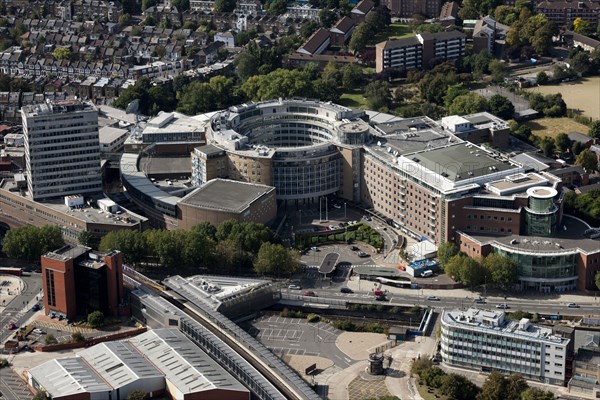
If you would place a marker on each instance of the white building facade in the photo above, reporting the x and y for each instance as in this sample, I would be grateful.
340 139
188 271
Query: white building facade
62 149
486 341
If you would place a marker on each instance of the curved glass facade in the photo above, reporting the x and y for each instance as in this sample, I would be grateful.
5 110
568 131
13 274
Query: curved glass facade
545 272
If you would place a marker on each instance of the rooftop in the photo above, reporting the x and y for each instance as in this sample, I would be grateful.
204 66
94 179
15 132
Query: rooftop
57 107
67 252
461 161
184 365
226 195
108 134
569 238
173 122
486 320
516 183
68 376
120 362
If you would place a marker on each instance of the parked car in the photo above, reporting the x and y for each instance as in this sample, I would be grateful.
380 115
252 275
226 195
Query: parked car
11 327
379 293
433 298
38 331
310 293
36 307
314 248
362 254
427 273
331 227
346 290
355 248
503 306
380 297
573 305
294 287
479 301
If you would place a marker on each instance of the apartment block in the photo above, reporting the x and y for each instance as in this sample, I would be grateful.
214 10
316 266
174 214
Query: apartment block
62 149
487 341
420 51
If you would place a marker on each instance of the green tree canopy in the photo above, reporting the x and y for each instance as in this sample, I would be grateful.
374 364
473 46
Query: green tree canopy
40 395
95 319
494 387
62 53
536 394
30 242
587 160
360 37
502 271
132 244
458 387
468 104
465 270
378 95
274 259
542 78
279 83
225 5
327 18
595 129
445 252
501 107
562 142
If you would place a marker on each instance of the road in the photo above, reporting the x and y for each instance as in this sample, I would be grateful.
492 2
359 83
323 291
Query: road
541 306
18 311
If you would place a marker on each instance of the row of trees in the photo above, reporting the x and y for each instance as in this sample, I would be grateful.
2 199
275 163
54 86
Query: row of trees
231 247
494 269
29 242
495 387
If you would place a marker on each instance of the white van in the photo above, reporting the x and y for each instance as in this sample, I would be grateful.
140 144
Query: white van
427 273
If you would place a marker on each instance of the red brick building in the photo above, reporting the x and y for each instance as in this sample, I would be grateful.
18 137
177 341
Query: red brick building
77 281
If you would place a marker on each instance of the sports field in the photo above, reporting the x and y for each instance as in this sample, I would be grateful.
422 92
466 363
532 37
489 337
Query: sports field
583 95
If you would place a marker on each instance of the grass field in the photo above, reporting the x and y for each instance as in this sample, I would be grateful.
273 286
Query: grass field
354 99
583 94
553 126
393 31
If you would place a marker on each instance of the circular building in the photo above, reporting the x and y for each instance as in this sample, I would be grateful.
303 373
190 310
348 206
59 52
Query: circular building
304 148
541 213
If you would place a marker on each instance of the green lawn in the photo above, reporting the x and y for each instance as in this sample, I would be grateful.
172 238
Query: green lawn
353 98
393 31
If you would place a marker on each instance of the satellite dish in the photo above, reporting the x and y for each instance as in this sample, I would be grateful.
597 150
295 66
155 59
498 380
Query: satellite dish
133 107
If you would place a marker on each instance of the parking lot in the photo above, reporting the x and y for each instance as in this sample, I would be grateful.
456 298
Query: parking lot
296 336
12 387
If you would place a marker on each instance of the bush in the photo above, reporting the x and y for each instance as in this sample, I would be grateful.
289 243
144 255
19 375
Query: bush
50 339
313 318
3 362
77 337
95 319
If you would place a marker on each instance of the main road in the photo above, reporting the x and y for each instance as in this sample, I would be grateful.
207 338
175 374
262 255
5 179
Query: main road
541 306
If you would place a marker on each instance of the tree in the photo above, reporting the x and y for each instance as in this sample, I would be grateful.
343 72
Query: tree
468 104
458 387
587 160
182 5
547 146
352 75
62 53
502 271
433 377
40 395
465 270
499 70
360 37
542 78
124 19
378 95
515 386
562 142
501 107
536 394
327 18
595 129
453 92
136 395
77 337
277 7
581 63
147 4
95 319
445 252
274 259
582 26
279 83
494 387
132 244
30 242
420 365
85 238
199 247
225 5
